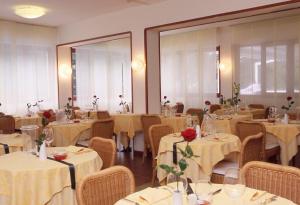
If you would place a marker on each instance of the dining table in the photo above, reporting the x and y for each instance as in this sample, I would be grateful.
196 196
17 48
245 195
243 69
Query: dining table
27 180
209 150
287 136
14 142
163 195
27 120
255 112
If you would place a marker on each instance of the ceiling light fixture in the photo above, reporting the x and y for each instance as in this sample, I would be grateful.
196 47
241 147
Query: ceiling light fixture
29 11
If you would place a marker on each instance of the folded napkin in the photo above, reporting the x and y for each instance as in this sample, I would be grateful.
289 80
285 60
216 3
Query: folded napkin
149 195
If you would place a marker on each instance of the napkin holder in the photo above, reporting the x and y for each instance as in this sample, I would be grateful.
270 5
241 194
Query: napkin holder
43 153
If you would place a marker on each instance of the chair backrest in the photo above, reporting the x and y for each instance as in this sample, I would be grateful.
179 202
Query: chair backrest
1 114
276 179
7 124
180 107
103 115
106 148
247 128
214 107
105 187
103 128
292 115
156 132
147 121
252 149
256 106
196 111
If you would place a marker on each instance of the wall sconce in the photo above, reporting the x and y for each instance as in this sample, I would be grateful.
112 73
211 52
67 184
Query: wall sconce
138 64
64 71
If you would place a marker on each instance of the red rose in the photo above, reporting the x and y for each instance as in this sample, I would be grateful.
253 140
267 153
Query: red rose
289 98
189 134
207 102
47 114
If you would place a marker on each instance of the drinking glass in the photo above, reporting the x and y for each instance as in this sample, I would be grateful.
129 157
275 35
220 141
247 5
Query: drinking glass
203 191
177 183
49 136
233 185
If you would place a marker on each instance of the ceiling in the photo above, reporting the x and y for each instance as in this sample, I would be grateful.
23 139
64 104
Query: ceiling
62 12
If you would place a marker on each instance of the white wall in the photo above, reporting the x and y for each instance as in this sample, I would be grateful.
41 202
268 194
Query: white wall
136 19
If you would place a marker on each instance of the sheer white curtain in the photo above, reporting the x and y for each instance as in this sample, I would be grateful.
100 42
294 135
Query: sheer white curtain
266 55
188 67
99 72
27 67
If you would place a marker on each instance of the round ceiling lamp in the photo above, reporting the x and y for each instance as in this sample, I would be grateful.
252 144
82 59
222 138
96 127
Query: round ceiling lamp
29 11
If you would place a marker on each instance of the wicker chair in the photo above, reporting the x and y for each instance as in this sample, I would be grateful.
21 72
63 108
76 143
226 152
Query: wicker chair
214 107
103 115
1 114
105 187
250 151
180 107
156 132
276 179
246 128
106 148
196 111
256 106
147 121
292 115
7 124
100 128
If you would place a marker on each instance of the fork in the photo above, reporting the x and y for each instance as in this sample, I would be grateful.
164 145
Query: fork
131 201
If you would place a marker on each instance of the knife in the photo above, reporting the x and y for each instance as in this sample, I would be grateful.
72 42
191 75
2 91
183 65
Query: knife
189 189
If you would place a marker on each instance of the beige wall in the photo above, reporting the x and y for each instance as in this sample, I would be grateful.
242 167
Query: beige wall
136 19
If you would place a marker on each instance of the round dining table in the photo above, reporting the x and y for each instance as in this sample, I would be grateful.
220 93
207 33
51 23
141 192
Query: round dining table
163 196
26 120
14 142
210 150
27 180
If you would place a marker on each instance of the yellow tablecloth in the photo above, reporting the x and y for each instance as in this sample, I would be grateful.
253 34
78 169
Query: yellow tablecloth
26 180
177 122
128 123
67 133
22 121
227 124
250 111
16 142
210 150
286 135
219 199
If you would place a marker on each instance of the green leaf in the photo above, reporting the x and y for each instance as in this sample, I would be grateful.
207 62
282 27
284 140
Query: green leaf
189 151
182 152
182 165
167 168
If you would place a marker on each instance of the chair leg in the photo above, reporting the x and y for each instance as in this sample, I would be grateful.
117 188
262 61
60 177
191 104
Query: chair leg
154 173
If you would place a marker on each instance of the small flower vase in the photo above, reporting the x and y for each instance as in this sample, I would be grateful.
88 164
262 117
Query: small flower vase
177 198
42 152
236 109
285 119
124 109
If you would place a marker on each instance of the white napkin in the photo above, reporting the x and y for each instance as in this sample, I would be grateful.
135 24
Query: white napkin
43 153
198 131
150 195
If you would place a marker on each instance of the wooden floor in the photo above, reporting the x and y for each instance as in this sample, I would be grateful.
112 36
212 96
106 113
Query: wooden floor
142 171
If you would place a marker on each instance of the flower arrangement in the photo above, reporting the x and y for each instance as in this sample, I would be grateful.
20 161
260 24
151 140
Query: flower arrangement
122 102
95 102
45 121
290 102
29 112
221 99
236 93
165 101
188 135
37 104
68 108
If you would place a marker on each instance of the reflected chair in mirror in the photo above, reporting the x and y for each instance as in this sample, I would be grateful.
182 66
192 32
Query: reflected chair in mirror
179 107
100 128
214 107
250 151
196 112
7 124
276 179
106 148
105 187
156 132
256 106
246 128
147 121
103 115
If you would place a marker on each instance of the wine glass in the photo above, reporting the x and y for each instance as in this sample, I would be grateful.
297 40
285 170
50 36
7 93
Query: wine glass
233 185
48 136
203 191
177 182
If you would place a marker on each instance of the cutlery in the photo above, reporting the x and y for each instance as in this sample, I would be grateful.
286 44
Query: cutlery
216 192
131 201
269 200
256 196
